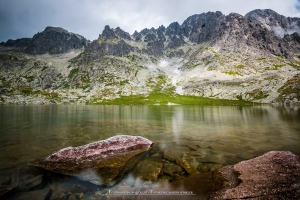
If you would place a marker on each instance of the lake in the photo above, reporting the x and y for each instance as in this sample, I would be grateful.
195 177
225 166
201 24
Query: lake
224 135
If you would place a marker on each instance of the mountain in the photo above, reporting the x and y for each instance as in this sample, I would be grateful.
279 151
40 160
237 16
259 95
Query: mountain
21 43
52 40
274 22
253 57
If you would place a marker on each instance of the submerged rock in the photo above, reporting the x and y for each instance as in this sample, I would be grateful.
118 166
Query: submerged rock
148 170
274 175
102 163
172 169
190 169
171 153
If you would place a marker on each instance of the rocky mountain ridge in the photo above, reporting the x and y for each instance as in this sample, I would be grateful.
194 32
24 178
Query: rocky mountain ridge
208 55
53 40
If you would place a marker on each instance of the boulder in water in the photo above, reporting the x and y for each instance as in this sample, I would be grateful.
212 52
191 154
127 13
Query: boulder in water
103 163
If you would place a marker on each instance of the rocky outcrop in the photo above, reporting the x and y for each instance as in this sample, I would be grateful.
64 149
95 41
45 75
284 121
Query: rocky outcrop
54 40
102 163
274 22
272 175
204 27
22 43
121 48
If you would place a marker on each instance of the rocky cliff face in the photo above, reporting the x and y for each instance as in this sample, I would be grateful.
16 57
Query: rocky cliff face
278 24
253 57
52 40
22 43
55 41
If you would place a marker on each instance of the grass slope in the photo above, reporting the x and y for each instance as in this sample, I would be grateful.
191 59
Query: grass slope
165 99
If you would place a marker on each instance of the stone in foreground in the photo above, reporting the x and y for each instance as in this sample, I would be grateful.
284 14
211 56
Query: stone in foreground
103 163
274 175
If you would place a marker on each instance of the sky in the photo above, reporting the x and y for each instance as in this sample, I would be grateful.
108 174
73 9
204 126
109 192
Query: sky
24 18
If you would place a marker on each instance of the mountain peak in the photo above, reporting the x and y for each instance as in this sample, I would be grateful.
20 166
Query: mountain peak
56 29
274 22
108 33
55 40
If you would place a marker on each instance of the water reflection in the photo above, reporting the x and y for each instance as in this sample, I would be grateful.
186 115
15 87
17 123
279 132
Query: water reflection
209 136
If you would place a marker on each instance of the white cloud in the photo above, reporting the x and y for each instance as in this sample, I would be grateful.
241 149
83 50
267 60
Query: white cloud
88 17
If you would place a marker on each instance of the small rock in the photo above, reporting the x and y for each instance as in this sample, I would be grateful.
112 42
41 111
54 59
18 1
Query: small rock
148 170
29 178
210 159
193 153
172 153
75 196
58 195
203 168
193 147
171 169
186 166
178 177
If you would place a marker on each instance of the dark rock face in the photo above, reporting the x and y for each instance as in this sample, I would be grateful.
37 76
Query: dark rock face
105 48
122 34
155 48
204 27
233 33
241 32
150 37
274 22
55 41
22 43
108 33
176 42
173 29
102 163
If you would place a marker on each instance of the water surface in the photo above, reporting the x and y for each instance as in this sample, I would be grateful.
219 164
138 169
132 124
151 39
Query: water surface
226 134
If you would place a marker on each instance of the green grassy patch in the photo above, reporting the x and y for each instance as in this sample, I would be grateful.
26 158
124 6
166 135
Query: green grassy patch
258 94
165 99
233 73
124 82
295 65
193 65
131 58
26 91
73 72
261 59
277 66
239 66
291 86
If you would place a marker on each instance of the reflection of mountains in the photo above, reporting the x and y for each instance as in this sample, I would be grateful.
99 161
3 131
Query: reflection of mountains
222 130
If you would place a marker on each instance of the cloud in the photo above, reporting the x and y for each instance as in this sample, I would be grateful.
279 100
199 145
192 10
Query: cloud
88 17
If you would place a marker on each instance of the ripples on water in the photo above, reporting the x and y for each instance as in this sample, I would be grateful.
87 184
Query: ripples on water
225 135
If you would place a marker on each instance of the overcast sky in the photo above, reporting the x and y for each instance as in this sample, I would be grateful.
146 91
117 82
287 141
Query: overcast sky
24 18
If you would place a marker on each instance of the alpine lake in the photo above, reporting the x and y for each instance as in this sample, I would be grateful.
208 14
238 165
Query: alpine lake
210 137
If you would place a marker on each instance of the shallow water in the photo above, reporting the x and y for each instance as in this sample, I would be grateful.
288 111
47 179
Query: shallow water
224 135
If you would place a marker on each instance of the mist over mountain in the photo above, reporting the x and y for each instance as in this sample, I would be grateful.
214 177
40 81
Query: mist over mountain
253 57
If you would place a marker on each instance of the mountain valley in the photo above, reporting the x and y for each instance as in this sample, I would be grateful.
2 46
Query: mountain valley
253 58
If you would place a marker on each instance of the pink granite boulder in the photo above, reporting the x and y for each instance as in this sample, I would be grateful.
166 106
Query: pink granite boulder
102 163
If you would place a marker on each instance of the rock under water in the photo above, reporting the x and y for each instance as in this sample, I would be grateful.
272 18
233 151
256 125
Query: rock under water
274 175
103 163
